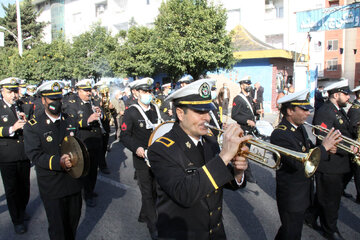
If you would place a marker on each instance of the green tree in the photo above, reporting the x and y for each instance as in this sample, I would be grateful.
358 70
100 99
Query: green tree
92 53
43 62
6 55
190 37
135 56
31 29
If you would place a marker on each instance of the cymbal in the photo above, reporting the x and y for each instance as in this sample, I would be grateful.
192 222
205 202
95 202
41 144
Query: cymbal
72 147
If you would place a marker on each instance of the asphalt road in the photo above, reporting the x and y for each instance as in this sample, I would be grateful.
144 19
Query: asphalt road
250 213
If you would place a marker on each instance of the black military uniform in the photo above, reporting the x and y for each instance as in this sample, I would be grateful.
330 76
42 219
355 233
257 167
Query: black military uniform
14 164
294 191
135 133
354 116
329 176
60 193
91 135
242 111
190 180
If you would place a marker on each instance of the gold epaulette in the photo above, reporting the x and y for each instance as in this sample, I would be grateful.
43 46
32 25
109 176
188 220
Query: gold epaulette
72 101
166 141
32 121
281 127
355 106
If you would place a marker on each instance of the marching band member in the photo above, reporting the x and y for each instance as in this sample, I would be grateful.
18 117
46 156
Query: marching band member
294 191
191 171
330 174
60 193
88 119
14 164
165 108
138 123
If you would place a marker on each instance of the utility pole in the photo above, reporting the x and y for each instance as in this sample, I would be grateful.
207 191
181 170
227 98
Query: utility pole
20 45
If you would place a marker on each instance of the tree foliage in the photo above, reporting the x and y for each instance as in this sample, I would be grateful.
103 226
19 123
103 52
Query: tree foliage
190 37
91 52
135 56
30 28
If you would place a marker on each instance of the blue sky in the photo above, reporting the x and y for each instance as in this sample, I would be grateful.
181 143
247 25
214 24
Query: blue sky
5 2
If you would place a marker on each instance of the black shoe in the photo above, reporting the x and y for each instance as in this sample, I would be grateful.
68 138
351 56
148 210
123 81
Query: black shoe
334 236
90 202
347 195
20 229
105 170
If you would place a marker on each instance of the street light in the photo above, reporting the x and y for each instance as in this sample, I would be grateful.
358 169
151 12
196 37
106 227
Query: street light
16 38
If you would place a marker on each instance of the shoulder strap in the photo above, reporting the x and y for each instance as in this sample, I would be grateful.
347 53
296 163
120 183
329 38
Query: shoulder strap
247 102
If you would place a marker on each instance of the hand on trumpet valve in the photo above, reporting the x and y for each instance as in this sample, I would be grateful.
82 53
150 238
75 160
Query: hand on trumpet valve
94 117
355 150
65 161
232 139
331 140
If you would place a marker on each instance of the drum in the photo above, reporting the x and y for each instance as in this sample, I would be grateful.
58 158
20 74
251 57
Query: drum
264 128
160 131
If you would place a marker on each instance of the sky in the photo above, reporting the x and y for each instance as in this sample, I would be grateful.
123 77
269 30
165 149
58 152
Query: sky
5 2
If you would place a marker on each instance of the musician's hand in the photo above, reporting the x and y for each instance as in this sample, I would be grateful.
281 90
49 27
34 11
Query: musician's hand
140 152
96 109
240 163
22 116
355 150
19 124
250 123
231 142
331 140
94 117
65 161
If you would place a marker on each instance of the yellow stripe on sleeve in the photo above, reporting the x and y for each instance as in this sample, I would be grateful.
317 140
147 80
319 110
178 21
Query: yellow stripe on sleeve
210 177
80 123
50 161
1 129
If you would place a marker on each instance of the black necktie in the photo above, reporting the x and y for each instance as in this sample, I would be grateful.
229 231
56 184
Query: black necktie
201 150
13 110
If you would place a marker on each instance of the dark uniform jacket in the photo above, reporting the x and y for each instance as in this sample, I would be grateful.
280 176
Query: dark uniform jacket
354 116
294 190
43 140
164 108
134 133
90 134
241 112
190 194
328 116
130 101
27 105
11 148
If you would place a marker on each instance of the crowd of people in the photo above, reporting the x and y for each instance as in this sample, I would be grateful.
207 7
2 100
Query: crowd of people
182 174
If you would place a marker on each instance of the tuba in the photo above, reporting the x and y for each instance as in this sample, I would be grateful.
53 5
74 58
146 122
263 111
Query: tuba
310 160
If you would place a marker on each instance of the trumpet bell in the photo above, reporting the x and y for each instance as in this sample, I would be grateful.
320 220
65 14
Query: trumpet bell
312 161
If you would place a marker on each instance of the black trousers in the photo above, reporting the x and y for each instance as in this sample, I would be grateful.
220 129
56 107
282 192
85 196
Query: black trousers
329 188
63 216
89 181
16 180
147 185
291 225
355 171
102 160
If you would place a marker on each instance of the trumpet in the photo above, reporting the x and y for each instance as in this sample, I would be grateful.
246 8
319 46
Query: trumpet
342 145
310 160
354 104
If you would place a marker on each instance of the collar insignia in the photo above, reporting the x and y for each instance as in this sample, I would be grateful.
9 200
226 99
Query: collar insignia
188 145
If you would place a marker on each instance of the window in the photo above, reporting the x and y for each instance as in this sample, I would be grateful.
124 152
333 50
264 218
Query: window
333 45
317 46
100 9
333 3
279 12
331 65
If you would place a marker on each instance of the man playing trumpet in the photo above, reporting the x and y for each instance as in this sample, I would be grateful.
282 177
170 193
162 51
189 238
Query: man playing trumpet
190 169
294 191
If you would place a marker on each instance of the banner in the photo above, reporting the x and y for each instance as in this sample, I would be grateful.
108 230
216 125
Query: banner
333 18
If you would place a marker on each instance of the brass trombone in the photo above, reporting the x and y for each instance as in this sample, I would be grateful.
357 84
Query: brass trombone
310 160
342 145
